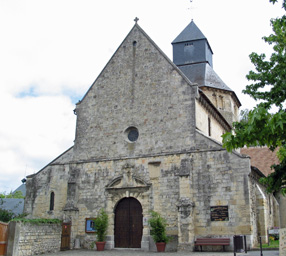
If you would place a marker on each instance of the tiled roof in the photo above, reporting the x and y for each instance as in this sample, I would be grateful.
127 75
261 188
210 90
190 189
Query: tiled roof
204 75
21 188
15 205
261 158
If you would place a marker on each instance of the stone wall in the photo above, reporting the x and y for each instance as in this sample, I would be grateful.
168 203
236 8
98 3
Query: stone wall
282 206
282 242
133 92
182 187
202 123
224 102
264 209
26 239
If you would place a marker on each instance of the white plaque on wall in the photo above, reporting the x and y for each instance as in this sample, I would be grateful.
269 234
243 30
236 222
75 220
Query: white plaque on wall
145 221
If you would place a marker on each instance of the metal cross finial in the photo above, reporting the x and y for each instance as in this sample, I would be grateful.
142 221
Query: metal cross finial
136 20
191 8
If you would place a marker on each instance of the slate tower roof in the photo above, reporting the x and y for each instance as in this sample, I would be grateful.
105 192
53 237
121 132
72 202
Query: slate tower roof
190 33
193 55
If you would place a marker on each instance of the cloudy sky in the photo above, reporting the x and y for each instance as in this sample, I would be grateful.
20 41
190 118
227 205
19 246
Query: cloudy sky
51 51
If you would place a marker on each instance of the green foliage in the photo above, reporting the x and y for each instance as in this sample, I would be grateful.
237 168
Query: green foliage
283 3
6 215
276 181
270 75
260 127
281 154
272 244
243 115
274 237
158 228
92 244
101 225
17 194
37 221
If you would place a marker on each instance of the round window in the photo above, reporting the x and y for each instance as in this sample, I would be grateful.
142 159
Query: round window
132 134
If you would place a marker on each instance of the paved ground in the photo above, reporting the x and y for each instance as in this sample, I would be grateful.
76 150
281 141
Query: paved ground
140 253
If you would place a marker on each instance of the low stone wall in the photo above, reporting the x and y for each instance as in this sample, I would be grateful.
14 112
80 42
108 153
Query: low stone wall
26 239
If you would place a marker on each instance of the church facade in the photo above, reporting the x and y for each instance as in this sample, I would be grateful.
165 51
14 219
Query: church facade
148 137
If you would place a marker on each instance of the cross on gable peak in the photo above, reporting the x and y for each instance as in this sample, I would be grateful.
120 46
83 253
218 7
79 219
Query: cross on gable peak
136 20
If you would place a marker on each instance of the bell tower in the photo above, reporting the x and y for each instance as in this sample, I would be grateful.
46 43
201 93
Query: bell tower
194 57
191 47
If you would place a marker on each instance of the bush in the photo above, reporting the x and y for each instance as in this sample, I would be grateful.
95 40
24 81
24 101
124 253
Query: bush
6 215
158 228
101 224
274 237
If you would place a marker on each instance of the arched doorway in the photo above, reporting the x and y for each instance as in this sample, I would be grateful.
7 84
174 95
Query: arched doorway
128 223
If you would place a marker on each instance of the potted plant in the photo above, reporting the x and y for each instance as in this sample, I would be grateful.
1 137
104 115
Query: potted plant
101 224
158 230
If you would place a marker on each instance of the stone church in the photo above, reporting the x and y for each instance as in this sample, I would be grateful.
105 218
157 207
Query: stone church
148 137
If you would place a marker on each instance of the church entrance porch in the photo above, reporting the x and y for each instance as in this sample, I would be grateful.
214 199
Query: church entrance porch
128 225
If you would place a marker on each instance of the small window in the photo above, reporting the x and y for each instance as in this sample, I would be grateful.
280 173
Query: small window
132 134
221 103
209 126
52 201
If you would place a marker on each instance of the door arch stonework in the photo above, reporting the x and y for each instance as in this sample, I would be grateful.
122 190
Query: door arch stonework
120 188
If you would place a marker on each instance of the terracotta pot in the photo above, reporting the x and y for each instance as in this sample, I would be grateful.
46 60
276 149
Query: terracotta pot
161 247
100 246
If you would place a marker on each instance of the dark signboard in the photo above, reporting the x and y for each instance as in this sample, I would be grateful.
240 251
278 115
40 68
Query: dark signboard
219 213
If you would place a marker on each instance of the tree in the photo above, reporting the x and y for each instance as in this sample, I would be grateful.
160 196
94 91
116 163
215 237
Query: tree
7 215
243 115
16 194
264 126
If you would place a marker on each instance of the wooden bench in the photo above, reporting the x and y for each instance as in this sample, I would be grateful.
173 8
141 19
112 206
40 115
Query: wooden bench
212 241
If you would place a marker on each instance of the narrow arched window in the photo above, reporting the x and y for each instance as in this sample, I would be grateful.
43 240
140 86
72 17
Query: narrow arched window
209 127
52 201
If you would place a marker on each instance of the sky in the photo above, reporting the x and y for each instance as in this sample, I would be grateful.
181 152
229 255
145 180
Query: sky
51 51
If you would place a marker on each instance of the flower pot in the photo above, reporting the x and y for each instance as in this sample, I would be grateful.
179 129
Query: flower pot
161 247
100 246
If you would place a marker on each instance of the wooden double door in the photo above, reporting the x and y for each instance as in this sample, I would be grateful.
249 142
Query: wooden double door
128 223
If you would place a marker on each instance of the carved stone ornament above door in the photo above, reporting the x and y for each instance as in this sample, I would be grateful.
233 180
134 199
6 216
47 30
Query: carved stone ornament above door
128 182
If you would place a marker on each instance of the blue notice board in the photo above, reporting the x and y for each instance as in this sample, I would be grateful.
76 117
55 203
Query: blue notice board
89 225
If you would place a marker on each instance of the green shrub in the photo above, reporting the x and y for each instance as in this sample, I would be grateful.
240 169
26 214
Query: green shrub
274 237
6 215
37 221
101 224
16 194
158 228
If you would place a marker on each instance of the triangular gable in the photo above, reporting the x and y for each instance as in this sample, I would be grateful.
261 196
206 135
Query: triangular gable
139 87
136 26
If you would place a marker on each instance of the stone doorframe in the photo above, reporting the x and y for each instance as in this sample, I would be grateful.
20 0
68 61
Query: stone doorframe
126 186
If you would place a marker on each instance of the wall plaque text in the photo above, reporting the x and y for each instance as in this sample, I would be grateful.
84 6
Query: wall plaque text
219 213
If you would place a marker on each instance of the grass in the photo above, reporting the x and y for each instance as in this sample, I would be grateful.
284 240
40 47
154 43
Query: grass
272 244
